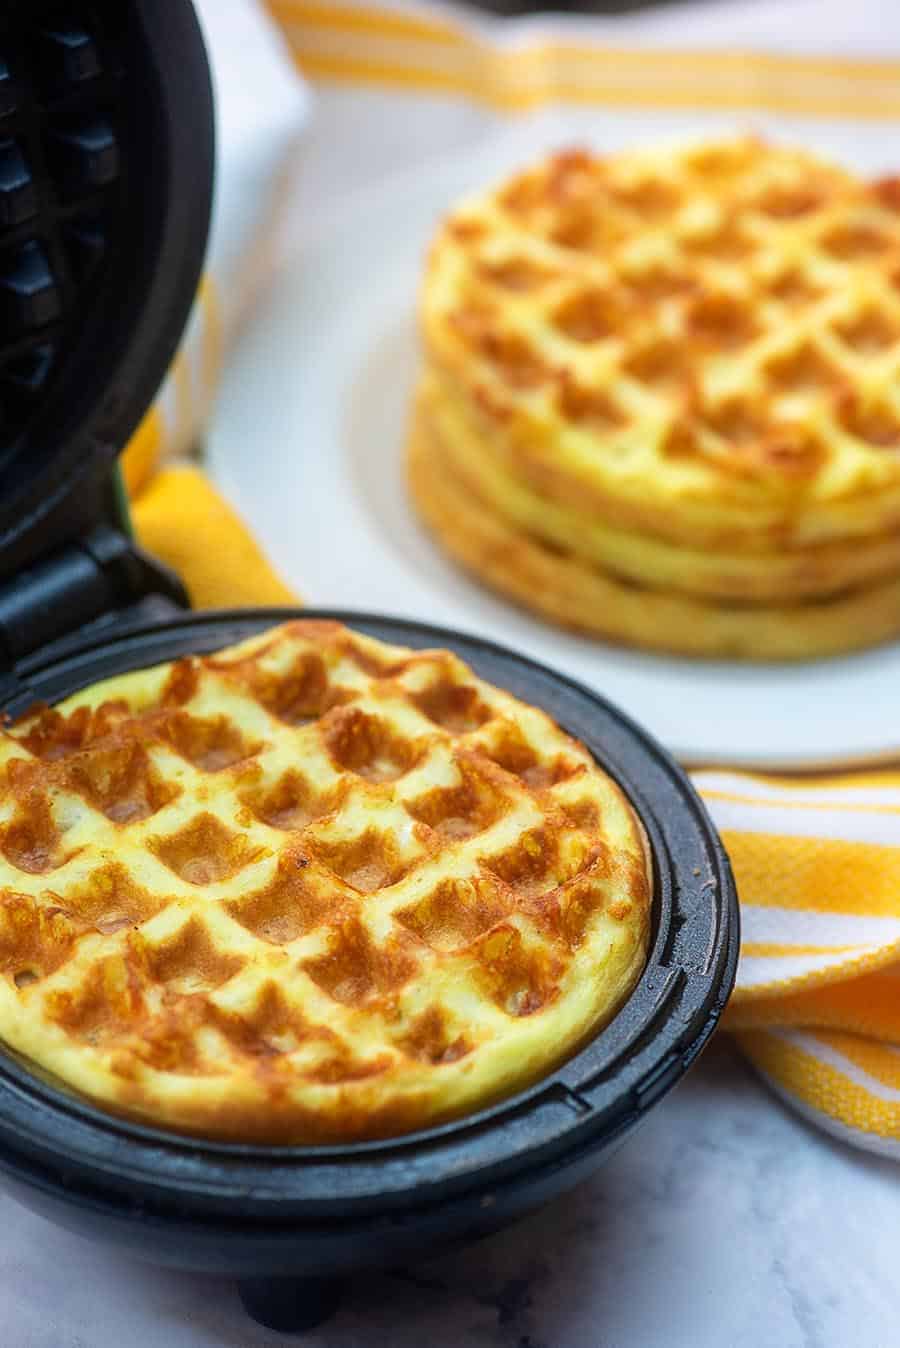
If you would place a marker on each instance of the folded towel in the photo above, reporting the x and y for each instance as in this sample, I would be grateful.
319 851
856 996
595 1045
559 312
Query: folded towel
816 1007
183 520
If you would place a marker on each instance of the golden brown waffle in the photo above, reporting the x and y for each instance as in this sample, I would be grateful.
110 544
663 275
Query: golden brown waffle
311 888
679 368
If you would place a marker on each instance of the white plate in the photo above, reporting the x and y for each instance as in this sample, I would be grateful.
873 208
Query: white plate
307 441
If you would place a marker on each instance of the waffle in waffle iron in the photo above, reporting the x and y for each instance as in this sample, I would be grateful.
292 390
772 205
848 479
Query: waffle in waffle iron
310 888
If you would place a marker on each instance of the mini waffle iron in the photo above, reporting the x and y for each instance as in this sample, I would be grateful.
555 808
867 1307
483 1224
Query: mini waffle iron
106 154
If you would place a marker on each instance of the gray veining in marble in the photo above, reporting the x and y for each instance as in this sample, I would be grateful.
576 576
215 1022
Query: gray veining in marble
724 1222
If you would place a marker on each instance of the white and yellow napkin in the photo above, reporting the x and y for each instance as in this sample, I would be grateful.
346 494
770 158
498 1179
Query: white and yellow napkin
817 859
817 1002
262 108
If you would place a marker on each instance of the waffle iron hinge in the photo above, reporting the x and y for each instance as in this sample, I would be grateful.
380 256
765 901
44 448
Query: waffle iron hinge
100 581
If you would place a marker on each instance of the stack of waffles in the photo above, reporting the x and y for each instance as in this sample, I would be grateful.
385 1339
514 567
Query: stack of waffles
660 399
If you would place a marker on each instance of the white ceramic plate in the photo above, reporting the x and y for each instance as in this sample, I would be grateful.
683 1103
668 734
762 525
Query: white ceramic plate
308 437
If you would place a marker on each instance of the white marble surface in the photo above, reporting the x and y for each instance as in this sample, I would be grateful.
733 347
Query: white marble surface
723 1222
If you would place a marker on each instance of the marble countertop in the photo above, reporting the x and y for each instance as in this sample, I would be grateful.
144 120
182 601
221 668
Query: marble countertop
723 1221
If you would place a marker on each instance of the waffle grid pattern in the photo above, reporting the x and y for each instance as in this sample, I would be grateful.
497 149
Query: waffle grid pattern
310 888
60 179
694 306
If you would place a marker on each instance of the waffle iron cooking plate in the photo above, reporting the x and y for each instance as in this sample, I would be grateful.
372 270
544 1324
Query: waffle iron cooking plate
105 187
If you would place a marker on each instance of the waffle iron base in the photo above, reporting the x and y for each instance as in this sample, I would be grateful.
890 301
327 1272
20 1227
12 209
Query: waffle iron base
292 1222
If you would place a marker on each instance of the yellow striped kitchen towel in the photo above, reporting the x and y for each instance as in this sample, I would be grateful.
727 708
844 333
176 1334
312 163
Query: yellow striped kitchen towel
438 52
816 1007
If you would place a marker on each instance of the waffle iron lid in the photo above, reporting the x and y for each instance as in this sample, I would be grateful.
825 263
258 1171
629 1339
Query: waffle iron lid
106 169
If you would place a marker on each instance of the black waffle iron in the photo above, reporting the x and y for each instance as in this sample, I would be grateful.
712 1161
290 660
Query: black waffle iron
106 154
